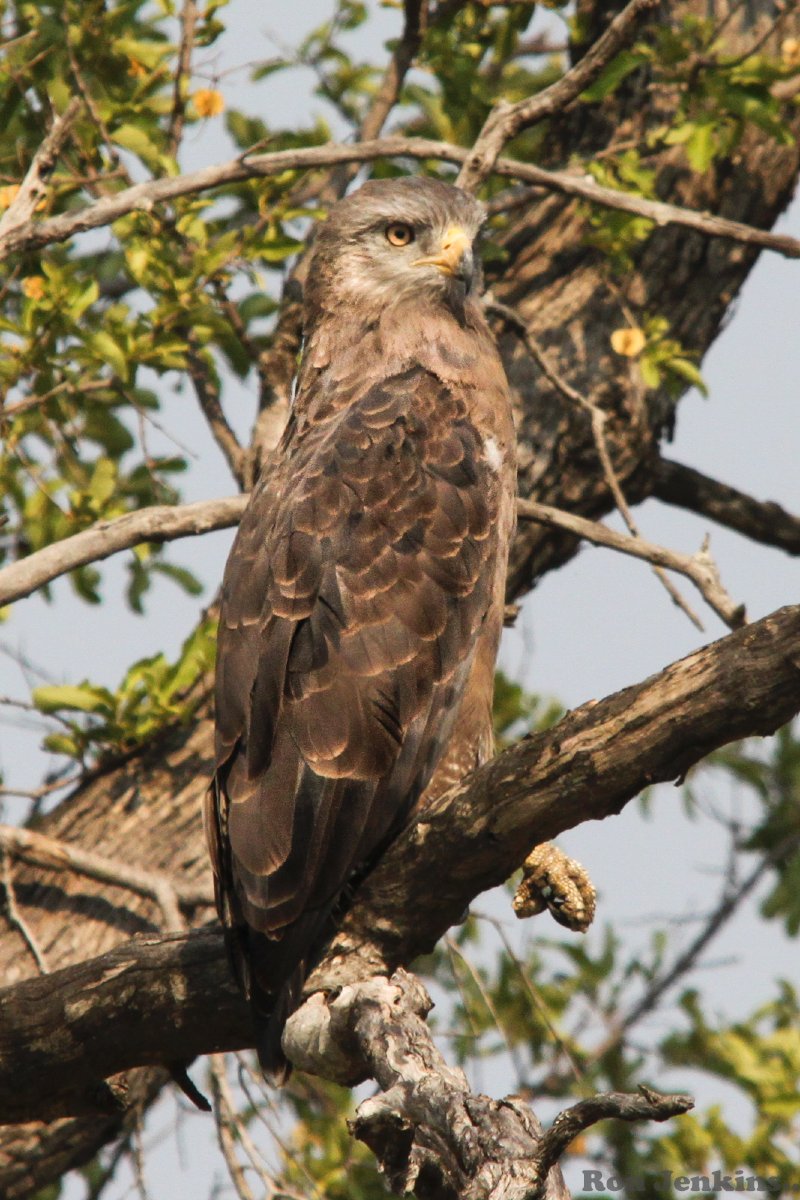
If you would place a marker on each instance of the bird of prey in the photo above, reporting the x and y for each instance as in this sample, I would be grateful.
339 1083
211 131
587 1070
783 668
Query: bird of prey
363 597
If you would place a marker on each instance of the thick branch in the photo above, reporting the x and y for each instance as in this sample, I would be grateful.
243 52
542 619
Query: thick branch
160 523
505 120
150 1003
144 196
762 520
153 1000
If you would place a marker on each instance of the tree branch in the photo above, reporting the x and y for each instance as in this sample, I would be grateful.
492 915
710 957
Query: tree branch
144 196
33 188
762 520
161 999
159 523
647 1106
182 76
206 389
430 1134
505 120
699 567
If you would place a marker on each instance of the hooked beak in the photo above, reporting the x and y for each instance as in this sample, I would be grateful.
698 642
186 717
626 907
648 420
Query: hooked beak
454 256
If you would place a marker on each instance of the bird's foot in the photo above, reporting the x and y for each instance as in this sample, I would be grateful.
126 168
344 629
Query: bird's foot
551 880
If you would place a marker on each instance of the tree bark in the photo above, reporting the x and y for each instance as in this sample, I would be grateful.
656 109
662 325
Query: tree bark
147 808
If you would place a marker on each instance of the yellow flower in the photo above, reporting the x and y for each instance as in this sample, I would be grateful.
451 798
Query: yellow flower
208 102
790 51
628 342
33 287
8 194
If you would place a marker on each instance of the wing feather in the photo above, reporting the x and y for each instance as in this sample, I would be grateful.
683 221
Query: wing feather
352 603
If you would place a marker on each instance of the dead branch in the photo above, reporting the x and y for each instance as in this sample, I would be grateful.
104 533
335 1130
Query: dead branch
700 568
620 1106
33 188
430 1134
159 523
170 998
762 520
144 197
506 120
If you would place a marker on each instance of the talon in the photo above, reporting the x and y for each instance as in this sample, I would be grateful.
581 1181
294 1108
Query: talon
551 880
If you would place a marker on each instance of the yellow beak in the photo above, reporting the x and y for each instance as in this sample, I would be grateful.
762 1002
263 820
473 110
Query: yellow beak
455 253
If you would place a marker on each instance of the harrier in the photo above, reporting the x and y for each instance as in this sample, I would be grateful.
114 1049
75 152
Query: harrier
363 597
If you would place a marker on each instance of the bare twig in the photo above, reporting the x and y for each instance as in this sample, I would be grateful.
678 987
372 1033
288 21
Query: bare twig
33 188
598 419
619 1106
182 75
50 854
206 389
229 1128
505 120
384 100
159 523
732 898
699 567
15 917
762 520
145 196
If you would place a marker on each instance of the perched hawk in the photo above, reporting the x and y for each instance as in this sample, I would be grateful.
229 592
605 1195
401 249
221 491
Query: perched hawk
363 597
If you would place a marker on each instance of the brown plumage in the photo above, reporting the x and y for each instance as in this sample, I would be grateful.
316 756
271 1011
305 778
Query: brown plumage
363 597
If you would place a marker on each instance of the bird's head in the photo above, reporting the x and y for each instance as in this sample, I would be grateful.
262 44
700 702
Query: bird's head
395 240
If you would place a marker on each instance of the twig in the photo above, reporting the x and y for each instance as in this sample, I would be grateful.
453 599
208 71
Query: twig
159 523
206 389
228 1127
188 23
34 186
53 855
15 917
505 120
405 51
143 197
598 421
762 520
699 567
619 1106
730 901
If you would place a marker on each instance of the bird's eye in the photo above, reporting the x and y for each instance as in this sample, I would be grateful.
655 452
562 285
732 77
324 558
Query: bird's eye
399 234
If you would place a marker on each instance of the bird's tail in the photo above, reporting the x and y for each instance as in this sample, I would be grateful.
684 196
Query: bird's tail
270 1019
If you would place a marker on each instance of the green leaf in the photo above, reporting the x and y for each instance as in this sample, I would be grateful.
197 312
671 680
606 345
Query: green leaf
104 347
609 80
83 697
